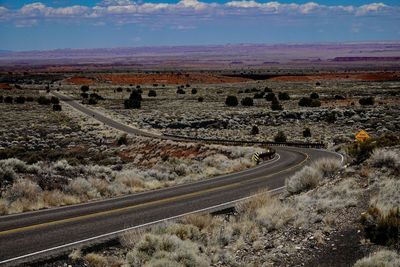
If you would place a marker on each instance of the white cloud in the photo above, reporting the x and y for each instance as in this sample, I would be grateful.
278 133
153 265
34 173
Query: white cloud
127 11
370 8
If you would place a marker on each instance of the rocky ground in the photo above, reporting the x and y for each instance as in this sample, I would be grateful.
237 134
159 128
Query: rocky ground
336 121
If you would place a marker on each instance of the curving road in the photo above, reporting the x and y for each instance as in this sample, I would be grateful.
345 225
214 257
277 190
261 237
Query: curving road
38 234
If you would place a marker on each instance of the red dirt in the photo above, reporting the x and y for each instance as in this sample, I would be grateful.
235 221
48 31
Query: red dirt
5 86
372 76
79 80
170 78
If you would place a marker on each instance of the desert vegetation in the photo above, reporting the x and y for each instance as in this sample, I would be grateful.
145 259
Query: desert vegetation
323 201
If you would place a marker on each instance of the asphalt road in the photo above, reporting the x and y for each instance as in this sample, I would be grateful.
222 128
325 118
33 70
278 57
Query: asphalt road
30 235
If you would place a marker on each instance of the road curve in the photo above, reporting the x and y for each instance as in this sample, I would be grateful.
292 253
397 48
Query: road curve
30 235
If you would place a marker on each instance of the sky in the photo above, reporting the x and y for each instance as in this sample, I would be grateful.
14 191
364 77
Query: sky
58 24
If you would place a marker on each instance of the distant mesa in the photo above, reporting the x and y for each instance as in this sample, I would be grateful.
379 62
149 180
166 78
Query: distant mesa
346 59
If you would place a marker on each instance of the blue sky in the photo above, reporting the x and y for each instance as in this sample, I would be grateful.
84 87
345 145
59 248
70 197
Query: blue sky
45 24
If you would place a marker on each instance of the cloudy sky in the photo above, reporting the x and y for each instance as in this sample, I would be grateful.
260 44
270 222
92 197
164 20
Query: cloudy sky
34 25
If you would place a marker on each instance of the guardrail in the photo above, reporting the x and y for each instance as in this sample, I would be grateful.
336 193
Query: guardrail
241 142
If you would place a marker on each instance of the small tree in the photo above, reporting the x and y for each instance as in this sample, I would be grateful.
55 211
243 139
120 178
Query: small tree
54 100
122 140
314 95
275 105
231 101
200 99
84 88
254 130
43 100
1 99
194 91
29 99
152 93
20 100
57 107
247 101
307 132
119 89
84 95
280 137
180 91
270 96
92 101
259 95
283 96
267 90
331 118
8 99
308 102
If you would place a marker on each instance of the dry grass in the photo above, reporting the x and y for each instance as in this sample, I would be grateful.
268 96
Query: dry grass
303 180
382 157
96 260
382 258
201 221
310 176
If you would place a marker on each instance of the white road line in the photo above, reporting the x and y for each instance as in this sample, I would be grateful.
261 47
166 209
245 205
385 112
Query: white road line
130 228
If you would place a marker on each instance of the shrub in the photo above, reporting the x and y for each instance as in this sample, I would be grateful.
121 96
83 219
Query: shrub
23 189
20 100
119 89
331 118
92 101
122 140
327 166
339 97
29 99
382 258
367 101
280 137
309 102
303 180
57 107
8 99
275 105
136 95
283 96
231 101
1 99
42 100
84 88
96 96
85 95
194 91
267 90
314 95
200 99
307 132
254 130
54 100
259 95
130 103
180 91
152 93
270 96
361 151
247 101
382 229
